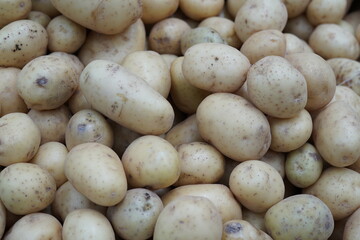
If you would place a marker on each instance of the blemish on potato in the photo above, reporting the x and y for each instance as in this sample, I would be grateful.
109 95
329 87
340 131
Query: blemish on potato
41 82
232 228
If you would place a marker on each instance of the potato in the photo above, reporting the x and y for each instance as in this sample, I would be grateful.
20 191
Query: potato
113 47
68 199
19 138
296 7
255 219
84 224
295 45
109 17
159 161
222 69
135 217
51 156
256 185
51 123
257 15
338 232
165 36
78 102
347 72
335 134
3 219
347 26
46 7
301 216
96 171
26 188
352 227
155 11
189 217
151 67
37 226
299 26
225 27
65 35
10 100
200 163
332 41
320 79
47 82
276 87
347 95
276 160
326 11
169 59
338 189
39 17
77 65
200 9
232 6
241 230
122 137
264 43
352 17
11 11
126 98
88 126
303 166
22 41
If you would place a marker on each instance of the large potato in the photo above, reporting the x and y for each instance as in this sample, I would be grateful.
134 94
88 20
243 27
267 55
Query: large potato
125 98
96 171
20 42
108 17
234 126
13 10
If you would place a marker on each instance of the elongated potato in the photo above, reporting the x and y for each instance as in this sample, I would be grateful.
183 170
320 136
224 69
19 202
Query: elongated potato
125 98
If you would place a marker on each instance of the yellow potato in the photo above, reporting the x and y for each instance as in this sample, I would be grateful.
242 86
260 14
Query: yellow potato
296 7
326 11
155 11
296 45
39 17
78 102
276 160
201 9
256 219
11 11
232 6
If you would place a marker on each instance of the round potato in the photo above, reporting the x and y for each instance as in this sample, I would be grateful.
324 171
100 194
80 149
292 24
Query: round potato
256 185
135 216
301 216
241 229
234 126
11 11
88 126
155 11
299 26
39 17
295 45
232 6
257 15
26 188
215 67
296 7
201 9
326 11
189 217
276 160
352 227
276 87
20 42
96 171
19 137
87 224
37 226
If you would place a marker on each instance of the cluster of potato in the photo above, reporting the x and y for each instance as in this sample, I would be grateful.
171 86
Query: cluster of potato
179 119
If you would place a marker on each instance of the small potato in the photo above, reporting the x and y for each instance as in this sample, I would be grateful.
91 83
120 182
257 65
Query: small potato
51 156
96 171
51 123
296 7
39 17
257 15
276 160
301 216
339 189
296 45
11 11
299 26
26 188
352 226
135 216
256 185
109 17
155 11
87 224
68 199
19 137
159 161
264 43
37 226
88 126
122 137
242 230
46 7
255 219
189 217
65 35
200 163
225 27
201 9
22 41
10 100
276 87
165 36
320 79
234 126
332 41
229 166
113 47
151 67
78 102
232 6
326 11
222 69
303 166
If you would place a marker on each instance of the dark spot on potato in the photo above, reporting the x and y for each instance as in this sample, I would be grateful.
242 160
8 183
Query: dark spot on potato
146 207
41 82
232 228
147 196
81 127
315 156
181 222
17 47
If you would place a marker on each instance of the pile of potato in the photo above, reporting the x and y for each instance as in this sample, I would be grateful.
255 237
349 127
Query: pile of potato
179 119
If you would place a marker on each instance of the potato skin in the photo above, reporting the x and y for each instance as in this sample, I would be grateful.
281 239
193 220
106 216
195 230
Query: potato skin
352 227
14 10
